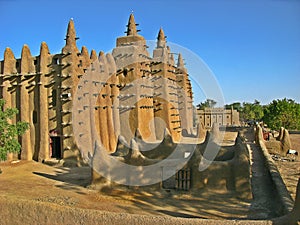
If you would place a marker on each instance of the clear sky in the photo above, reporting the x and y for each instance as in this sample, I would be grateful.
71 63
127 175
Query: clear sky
252 47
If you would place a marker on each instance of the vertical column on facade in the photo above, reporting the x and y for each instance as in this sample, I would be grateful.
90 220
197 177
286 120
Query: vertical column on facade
113 112
103 116
186 108
136 110
211 117
9 70
181 80
115 94
231 116
93 56
161 99
71 71
166 97
27 68
85 60
45 60
93 71
144 94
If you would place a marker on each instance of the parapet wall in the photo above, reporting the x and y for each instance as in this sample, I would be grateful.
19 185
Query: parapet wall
281 144
228 171
286 201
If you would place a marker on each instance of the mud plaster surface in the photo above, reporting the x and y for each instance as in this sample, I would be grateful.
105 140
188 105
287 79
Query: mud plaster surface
61 187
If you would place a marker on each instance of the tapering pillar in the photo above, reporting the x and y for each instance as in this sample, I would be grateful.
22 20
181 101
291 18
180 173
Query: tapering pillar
85 61
26 68
110 126
114 80
103 124
44 138
9 68
71 68
114 102
93 56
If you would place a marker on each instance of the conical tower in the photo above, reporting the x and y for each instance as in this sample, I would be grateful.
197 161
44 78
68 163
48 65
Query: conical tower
132 37
132 62
171 57
71 34
71 68
185 99
131 27
161 39
165 99
180 63
161 52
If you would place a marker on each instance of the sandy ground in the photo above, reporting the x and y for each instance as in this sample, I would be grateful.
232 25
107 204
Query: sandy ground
295 139
66 187
61 188
290 170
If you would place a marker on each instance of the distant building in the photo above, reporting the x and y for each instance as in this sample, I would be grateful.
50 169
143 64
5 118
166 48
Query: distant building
221 116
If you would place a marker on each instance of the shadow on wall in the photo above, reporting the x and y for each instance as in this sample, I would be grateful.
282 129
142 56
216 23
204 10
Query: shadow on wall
229 171
292 217
279 145
282 196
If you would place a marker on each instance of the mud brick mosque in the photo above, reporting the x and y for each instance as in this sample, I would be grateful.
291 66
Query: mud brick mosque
43 88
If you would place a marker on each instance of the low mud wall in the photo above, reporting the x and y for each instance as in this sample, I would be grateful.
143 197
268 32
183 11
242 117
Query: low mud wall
294 131
282 194
229 170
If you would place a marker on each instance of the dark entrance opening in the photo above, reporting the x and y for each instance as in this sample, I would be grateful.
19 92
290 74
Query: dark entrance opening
55 147
183 178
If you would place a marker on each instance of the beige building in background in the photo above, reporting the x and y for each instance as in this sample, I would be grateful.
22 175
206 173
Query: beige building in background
221 116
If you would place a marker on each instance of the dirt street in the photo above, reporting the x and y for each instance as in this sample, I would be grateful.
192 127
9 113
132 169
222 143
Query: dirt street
61 188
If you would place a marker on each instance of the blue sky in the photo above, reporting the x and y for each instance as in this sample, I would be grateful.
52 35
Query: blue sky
252 47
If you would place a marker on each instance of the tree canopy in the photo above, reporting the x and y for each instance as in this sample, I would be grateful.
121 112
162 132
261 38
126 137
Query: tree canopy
236 105
279 113
208 103
282 113
252 111
9 132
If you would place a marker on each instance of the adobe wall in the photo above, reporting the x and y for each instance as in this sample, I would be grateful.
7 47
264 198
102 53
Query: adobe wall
293 217
282 193
281 144
228 172
43 88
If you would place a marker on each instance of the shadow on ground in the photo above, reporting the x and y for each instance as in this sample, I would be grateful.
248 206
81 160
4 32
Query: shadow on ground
205 205
70 178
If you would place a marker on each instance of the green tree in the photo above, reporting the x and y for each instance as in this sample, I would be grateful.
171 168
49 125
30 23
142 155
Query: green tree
9 132
209 103
236 105
252 111
282 113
